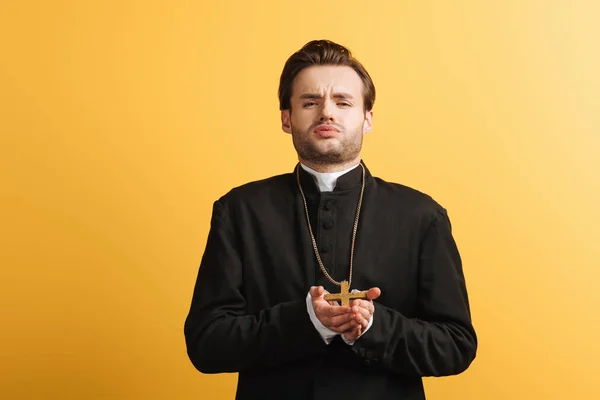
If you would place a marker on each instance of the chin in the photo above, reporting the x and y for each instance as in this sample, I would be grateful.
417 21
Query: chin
327 158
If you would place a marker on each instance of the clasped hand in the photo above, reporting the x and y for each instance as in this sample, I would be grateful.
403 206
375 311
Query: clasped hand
349 321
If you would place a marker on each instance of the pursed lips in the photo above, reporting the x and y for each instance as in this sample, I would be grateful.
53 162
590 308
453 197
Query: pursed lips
326 130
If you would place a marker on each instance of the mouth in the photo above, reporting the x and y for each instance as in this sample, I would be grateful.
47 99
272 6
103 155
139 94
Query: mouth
326 131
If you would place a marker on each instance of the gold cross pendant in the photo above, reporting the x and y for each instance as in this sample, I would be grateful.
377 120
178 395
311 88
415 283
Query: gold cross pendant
344 296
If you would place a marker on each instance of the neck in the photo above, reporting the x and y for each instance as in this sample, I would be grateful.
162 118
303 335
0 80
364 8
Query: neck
328 167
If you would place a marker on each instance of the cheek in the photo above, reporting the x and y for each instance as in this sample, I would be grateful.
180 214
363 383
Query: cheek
356 120
302 119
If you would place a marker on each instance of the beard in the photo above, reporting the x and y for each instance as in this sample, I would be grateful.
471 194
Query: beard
341 149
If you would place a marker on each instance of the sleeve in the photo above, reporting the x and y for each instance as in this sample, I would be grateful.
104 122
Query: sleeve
220 335
441 340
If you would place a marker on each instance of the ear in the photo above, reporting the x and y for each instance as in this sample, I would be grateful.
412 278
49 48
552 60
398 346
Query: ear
368 124
286 122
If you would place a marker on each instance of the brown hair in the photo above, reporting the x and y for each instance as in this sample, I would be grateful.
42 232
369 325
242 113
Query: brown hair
322 52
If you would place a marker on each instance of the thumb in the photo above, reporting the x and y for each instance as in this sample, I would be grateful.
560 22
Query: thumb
316 291
373 293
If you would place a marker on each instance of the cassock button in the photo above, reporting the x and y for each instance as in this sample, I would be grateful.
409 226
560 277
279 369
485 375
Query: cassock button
328 224
325 249
329 204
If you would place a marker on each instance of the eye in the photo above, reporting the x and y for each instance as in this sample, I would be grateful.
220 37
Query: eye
309 104
344 104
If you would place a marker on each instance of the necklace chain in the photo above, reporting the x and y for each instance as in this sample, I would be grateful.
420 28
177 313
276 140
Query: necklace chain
354 230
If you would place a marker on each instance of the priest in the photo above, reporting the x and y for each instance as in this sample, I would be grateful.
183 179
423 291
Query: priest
328 282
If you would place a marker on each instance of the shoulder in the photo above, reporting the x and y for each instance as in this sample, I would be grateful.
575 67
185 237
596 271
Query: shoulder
414 206
259 191
407 196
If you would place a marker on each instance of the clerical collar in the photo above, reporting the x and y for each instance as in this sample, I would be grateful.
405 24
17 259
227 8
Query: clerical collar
326 181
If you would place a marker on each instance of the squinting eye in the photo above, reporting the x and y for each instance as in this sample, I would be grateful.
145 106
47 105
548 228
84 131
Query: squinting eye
310 103
344 104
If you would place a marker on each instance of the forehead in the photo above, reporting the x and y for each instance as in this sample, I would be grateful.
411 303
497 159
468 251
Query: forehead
327 78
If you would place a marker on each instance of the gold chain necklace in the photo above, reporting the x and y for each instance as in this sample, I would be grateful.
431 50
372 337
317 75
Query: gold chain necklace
312 236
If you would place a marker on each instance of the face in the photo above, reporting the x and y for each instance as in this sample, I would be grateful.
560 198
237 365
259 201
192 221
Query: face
327 119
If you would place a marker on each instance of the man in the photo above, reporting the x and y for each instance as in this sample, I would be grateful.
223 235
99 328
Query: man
277 247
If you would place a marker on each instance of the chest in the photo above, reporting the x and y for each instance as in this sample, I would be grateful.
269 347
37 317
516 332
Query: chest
279 253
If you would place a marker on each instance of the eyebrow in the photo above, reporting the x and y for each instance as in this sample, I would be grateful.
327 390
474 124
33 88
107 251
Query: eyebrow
318 96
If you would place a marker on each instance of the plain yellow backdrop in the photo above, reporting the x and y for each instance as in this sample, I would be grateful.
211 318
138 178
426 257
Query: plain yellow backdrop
122 121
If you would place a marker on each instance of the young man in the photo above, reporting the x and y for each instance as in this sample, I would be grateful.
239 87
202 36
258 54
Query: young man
277 247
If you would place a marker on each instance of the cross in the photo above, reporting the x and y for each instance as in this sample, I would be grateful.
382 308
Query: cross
344 296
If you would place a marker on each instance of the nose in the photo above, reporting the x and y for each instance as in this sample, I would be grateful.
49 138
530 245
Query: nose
326 111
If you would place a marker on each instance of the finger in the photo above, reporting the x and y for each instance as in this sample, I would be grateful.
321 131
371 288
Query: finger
361 313
352 334
346 327
362 317
355 302
362 320
340 320
366 305
373 293
354 330
325 312
360 304
329 311
350 337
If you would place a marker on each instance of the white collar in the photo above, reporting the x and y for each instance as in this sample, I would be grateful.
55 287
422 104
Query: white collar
326 180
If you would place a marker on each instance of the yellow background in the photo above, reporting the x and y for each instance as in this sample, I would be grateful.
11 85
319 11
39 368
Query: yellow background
122 121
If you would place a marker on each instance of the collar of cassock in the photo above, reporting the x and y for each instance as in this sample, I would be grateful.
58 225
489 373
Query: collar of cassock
335 181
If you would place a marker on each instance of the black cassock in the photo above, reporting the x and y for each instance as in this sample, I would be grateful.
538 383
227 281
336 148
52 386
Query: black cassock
248 312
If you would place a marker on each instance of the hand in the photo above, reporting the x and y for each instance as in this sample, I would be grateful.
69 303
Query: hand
362 312
337 318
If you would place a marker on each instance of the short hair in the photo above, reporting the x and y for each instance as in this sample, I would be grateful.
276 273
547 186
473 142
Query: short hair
322 52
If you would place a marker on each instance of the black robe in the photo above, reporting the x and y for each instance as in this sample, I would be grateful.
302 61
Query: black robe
248 313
